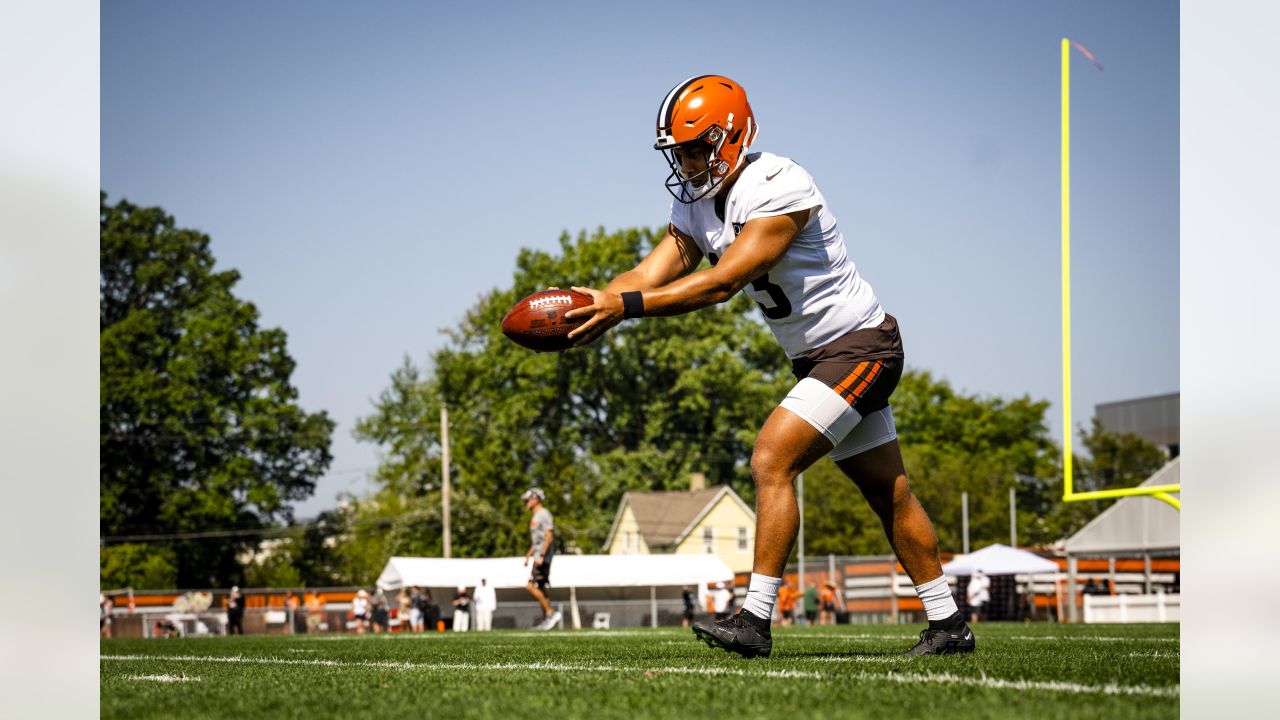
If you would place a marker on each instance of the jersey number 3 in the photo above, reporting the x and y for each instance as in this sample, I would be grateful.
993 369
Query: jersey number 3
781 305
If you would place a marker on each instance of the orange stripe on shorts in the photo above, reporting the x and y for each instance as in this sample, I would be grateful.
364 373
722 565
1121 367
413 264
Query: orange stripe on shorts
848 379
866 383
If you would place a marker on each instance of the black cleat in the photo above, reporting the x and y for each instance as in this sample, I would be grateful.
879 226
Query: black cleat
736 634
936 641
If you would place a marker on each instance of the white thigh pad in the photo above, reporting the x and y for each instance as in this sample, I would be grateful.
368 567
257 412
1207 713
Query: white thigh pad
876 429
822 408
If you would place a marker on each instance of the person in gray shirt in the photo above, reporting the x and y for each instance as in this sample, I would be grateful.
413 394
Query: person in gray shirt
541 549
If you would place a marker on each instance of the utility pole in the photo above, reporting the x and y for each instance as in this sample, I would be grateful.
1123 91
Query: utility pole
1013 518
444 472
964 520
800 539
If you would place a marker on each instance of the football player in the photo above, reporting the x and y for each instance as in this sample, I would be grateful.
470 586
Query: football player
542 550
767 231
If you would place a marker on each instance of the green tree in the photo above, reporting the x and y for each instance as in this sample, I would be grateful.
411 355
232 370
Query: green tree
275 565
641 409
200 428
142 567
1115 460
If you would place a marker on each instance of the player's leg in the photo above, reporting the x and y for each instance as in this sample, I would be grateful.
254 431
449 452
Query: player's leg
785 447
540 597
870 456
787 444
880 475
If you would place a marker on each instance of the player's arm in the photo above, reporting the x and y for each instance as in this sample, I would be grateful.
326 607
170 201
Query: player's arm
759 247
674 257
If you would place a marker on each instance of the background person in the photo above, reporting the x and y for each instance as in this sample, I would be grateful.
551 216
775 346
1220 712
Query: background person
810 605
104 615
360 611
380 615
787 604
404 610
722 601
690 605
827 604
416 616
541 550
315 611
486 601
235 611
978 593
430 610
461 610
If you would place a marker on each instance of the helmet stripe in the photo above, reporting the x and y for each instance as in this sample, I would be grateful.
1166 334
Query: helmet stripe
668 104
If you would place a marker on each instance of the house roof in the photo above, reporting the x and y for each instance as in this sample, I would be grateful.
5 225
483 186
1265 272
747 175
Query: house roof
665 518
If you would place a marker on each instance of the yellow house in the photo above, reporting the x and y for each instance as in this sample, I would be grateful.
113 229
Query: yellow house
708 520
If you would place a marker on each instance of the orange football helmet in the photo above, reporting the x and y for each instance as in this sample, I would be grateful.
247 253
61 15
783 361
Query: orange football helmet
711 113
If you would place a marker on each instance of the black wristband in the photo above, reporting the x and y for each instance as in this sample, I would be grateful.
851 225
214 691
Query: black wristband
632 304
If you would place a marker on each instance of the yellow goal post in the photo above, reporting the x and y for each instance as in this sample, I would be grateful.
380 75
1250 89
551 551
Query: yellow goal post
1160 492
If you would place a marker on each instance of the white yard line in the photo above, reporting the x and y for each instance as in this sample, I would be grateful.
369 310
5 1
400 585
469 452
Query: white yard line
1049 685
913 678
163 678
978 632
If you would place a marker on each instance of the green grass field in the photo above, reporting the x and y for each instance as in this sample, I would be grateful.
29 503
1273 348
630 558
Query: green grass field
1032 671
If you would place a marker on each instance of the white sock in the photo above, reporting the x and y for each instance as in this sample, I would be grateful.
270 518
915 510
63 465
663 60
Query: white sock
762 593
936 596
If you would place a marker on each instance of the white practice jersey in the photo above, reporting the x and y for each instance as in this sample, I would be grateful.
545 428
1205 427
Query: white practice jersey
814 294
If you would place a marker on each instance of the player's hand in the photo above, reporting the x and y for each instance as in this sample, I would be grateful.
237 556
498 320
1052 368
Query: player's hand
605 312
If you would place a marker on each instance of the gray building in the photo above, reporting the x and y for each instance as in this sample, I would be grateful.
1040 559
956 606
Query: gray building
1154 419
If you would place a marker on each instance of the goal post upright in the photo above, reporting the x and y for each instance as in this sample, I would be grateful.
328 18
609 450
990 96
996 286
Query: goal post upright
1067 487
1159 492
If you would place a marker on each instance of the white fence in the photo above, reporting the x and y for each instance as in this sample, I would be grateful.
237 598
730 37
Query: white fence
1158 607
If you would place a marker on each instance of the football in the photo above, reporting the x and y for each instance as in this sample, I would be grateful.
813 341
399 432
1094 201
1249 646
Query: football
537 321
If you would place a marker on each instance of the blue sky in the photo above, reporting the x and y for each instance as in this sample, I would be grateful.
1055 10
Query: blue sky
372 169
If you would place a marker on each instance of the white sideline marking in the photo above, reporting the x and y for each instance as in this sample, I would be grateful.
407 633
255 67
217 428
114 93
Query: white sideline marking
163 678
922 678
1155 654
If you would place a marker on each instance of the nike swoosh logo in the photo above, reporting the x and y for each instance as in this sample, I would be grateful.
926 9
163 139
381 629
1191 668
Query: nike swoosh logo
968 636
767 178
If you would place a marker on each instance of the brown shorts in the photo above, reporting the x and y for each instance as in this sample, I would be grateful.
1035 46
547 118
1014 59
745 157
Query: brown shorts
863 366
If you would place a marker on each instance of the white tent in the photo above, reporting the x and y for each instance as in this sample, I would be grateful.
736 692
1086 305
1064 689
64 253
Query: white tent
1000 560
580 571
571 571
